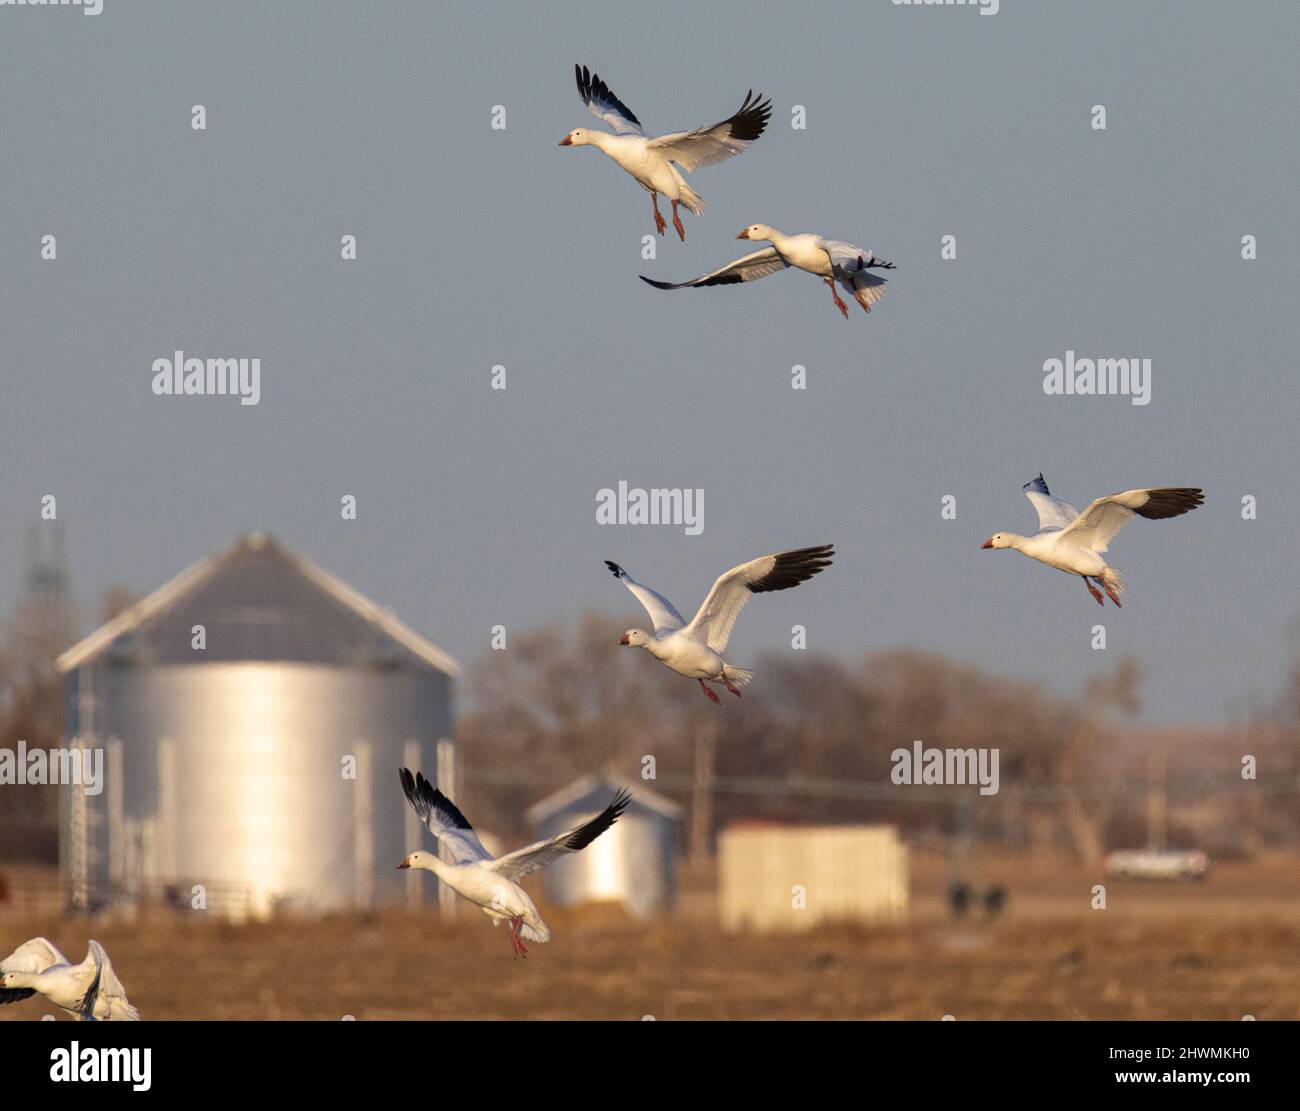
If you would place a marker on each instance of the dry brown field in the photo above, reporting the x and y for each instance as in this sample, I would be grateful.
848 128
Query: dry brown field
1219 949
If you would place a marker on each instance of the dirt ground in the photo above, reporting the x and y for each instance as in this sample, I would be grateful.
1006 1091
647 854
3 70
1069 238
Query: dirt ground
1215 950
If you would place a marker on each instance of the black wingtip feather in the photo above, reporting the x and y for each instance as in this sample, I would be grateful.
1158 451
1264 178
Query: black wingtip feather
750 120
585 834
732 278
1171 501
592 87
1037 484
86 1006
614 568
794 567
425 799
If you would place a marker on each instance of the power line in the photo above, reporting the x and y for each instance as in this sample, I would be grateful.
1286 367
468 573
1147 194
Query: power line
1186 787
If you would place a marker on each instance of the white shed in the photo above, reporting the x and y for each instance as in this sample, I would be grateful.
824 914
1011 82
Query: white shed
634 863
776 878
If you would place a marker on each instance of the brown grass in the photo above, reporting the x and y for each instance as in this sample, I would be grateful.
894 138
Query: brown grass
1216 950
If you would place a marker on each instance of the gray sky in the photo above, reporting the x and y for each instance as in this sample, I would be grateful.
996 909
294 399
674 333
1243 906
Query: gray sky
478 247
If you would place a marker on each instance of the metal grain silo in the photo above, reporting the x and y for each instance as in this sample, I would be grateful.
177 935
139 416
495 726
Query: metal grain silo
634 863
252 713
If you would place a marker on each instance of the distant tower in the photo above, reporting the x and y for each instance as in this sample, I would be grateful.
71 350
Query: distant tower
47 606
42 625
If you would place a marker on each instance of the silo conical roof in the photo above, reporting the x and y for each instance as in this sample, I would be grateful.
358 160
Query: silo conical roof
257 601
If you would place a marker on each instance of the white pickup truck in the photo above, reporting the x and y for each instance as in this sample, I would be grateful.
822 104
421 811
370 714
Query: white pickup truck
1157 864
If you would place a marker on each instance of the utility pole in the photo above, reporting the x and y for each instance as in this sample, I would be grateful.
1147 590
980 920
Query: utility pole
702 790
1158 798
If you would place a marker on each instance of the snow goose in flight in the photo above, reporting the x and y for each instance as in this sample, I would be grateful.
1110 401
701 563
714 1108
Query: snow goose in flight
829 259
1073 542
488 882
651 160
90 990
696 650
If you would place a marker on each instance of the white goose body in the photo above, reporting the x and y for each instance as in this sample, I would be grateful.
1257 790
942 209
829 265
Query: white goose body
654 161
491 883
1074 542
687 656
502 900
1047 547
654 173
698 650
836 263
90 991
804 251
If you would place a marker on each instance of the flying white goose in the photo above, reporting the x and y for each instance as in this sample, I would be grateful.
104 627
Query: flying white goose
90 990
650 160
828 259
1073 542
696 650
493 883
